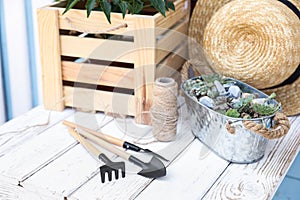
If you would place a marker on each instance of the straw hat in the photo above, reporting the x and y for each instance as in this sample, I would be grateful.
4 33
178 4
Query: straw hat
255 41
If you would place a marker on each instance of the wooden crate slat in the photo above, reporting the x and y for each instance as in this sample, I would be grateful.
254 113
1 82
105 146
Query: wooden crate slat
172 39
171 65
98 74
99 100
50 59
144 65
97 22
181 12
100 49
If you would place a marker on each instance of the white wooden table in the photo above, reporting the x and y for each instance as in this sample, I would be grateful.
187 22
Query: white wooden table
40 160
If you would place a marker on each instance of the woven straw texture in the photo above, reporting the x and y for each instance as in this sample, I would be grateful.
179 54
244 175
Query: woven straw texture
255 41
202 13
289 95
252 40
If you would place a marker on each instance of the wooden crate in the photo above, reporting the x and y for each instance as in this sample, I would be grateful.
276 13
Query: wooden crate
118 72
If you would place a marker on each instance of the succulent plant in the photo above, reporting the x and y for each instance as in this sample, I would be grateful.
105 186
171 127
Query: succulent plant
265 110
245 106
233 113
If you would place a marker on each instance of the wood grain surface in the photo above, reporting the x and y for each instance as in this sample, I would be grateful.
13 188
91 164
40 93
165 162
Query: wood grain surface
45 162
259 180
50 51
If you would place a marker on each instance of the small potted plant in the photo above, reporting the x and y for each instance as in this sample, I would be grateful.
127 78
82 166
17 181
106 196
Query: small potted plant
232 118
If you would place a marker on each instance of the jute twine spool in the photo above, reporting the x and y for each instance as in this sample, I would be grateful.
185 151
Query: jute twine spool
164 114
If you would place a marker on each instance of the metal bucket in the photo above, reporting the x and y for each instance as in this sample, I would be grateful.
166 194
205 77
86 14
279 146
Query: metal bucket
209 126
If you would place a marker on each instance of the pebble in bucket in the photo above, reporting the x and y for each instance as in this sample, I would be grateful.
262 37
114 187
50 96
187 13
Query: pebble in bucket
164 113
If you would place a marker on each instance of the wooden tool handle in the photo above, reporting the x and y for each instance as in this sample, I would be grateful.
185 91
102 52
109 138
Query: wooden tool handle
105 145
105 137
85 143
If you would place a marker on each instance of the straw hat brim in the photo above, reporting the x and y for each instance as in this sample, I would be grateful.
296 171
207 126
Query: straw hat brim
202 13
210 21
254 41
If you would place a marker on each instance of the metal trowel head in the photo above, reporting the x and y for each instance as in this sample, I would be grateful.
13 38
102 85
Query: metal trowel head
153 169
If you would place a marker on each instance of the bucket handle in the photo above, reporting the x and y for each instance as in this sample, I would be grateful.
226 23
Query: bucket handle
281 128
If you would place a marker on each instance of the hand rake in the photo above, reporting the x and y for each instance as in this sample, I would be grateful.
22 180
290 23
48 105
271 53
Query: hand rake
113 140
153 169
109 166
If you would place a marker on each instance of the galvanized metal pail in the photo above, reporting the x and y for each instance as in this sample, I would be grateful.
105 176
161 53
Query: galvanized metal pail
209 126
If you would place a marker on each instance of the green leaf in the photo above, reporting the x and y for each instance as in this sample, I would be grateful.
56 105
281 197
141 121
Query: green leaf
159 5
169 4
106 7
70 4
135 7
123 7
90 4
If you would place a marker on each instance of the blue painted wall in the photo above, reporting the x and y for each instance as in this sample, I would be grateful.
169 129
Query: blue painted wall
27 55
5 65
31 50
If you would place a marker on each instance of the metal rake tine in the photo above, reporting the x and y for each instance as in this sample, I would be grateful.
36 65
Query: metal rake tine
152 169
109 166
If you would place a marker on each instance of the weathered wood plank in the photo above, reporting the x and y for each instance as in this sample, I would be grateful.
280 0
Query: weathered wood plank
34 154
126 188
54 146
66 173
24 127
259 180
189 176
10 191
26 160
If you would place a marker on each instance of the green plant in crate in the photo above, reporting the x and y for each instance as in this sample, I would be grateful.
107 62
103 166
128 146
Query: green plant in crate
123 6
